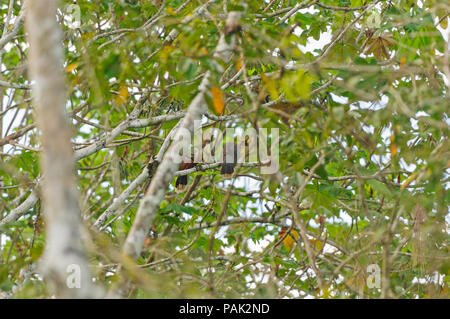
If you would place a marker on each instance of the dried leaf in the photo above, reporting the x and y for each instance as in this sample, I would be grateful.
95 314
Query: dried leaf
71 67
239 64
217 95
379 46
393 147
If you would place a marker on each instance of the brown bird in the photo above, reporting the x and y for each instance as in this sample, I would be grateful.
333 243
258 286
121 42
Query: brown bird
181 181
231 154
230 158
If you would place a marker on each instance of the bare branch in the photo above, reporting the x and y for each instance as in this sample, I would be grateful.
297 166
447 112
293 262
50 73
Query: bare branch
168 166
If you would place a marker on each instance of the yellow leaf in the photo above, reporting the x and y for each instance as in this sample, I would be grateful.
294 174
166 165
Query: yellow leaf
289 241
409 180
166 51
218 100
325 292
309 142
402 62
71 67
87 36
393 147
123 94
239 64
442 15
271 87
296 85
317 244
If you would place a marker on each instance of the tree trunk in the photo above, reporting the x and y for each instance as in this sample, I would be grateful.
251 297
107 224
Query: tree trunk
64 263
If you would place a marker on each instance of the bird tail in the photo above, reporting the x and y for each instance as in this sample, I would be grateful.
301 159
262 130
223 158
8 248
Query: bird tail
181 183
227 169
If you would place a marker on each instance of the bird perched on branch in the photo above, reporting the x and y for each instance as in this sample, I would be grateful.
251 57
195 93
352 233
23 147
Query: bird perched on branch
230 157
181 181
230 154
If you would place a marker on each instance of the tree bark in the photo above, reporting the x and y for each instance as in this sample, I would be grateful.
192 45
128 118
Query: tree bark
64 263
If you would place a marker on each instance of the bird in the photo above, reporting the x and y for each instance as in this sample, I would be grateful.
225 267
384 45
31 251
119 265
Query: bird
231 154
230 157
181 181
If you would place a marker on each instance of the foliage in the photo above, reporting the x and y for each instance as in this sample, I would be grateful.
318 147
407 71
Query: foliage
364 153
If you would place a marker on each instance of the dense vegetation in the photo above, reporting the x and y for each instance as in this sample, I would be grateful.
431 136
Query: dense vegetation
359 91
